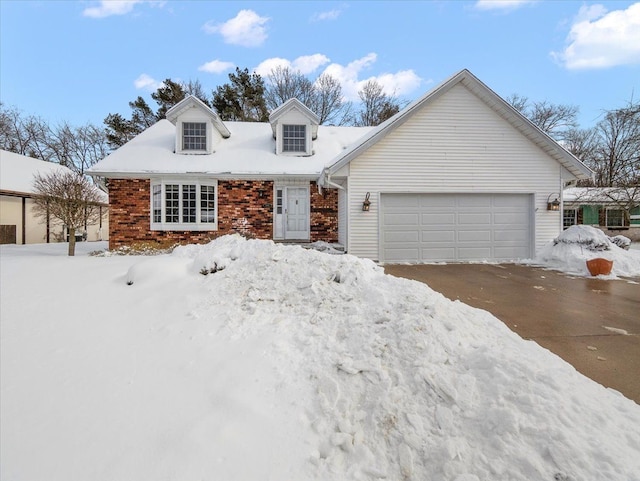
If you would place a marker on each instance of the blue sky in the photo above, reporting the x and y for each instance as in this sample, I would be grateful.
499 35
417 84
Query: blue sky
78 61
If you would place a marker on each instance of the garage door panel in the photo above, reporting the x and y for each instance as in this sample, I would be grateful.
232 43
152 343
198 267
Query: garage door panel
402 219
518 235
435 201
407 200
401 255
474 236
509 218
473 253
439 219
440 253
438 235
473 218
473 201
402 236
455 227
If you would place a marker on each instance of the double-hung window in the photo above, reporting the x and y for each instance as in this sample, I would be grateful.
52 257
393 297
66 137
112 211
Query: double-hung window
194 136
190 205
569 218
615 218
294 138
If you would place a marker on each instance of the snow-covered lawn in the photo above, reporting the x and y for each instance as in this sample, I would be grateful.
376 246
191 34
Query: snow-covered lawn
280 364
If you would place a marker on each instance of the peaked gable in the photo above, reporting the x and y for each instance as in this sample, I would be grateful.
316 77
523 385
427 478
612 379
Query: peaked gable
191 102
289 108
489 98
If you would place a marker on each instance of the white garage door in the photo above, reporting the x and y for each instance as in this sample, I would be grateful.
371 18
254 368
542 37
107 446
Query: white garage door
455 227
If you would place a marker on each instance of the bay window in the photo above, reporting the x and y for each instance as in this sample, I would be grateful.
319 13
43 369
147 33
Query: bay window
190 205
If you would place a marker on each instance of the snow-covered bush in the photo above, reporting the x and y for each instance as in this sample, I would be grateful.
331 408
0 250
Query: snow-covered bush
586 236
621 241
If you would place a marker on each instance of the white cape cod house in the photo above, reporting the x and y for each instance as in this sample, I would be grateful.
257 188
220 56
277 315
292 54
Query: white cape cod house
457 175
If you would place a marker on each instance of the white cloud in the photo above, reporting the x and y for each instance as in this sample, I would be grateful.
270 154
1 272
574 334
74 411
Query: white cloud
216 66
305 65
600 40
501 4
146 82
350 76
329 15
266 66
309 63
106 8
246 29
399 83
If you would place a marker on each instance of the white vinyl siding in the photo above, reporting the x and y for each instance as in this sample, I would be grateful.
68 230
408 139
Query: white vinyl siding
456 144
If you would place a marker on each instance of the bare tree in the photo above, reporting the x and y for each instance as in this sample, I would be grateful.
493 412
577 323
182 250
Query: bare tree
194 87
25 135
323 96
616 160
74 147
328 103
377 106
69 197
554 119
283 83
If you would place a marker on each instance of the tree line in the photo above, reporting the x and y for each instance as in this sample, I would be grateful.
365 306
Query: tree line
611 148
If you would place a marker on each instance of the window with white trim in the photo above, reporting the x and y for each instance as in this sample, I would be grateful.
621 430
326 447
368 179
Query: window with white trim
194 136
184 205
615 218
294 138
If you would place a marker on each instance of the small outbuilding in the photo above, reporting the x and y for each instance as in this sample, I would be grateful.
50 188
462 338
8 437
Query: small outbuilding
18 224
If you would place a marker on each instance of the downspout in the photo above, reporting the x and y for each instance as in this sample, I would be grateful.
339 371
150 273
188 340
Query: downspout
48 225
24 220
325 180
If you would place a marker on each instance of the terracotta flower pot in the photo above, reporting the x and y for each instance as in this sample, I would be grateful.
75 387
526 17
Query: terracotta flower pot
599 266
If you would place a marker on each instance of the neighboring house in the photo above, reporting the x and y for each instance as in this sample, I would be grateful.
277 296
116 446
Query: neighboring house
615 210
18 224
458 175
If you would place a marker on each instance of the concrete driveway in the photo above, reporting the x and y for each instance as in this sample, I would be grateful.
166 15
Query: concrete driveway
590 323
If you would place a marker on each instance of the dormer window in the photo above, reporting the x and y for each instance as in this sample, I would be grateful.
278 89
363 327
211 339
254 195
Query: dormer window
294 138
294 128
194 136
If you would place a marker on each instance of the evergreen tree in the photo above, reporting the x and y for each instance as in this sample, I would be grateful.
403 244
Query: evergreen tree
168 95
242 99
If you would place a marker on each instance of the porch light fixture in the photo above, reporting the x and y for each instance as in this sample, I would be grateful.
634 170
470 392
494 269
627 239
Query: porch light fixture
553 204
367 203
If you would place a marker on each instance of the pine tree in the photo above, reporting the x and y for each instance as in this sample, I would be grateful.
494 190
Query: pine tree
242 99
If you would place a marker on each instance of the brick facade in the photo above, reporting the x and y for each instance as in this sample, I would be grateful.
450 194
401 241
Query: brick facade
243 206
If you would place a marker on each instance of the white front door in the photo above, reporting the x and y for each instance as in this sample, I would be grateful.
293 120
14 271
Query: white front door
296 213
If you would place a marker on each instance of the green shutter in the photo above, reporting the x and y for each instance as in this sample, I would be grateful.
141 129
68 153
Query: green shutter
590 215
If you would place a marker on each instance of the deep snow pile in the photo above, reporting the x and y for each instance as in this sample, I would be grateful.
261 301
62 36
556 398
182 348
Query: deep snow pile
243 360
573 247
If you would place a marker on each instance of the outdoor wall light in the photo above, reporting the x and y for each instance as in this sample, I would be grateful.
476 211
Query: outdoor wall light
367 203
553 204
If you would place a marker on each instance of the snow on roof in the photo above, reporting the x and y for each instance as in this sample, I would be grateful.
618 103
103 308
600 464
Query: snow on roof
249 151
590 195
17 172
493 101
